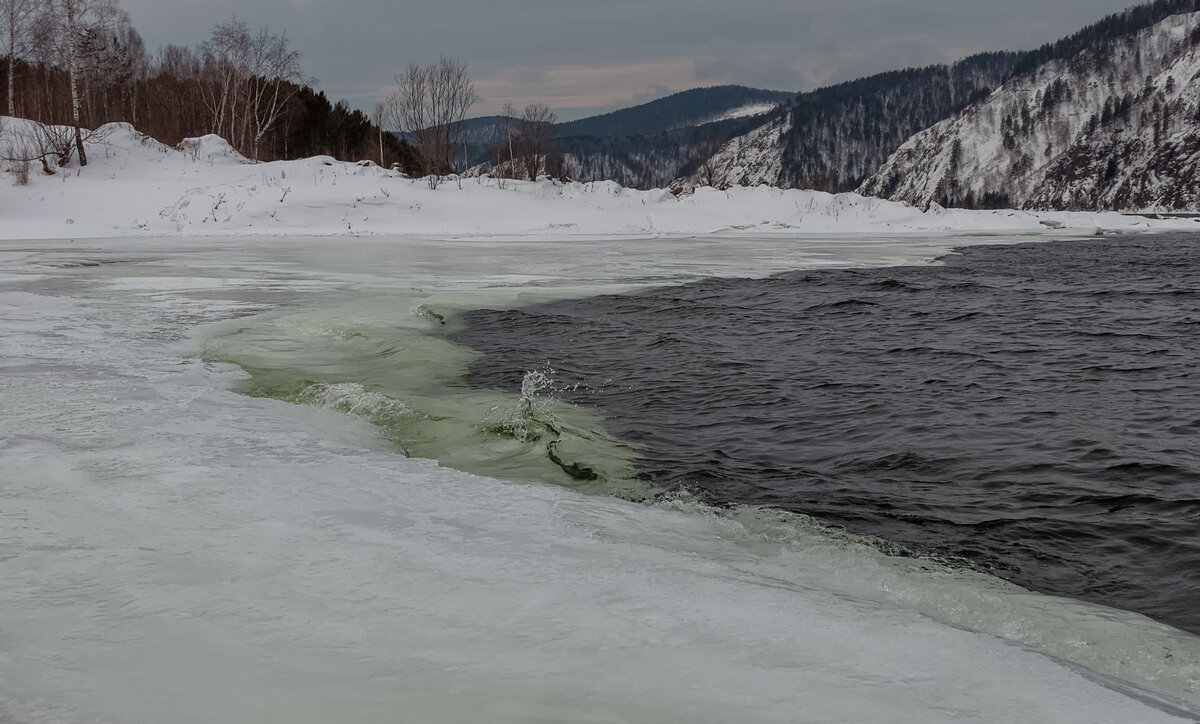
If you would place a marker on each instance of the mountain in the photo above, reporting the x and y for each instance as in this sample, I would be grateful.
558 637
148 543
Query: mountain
484 130
837 138
1115 126
652 160
832 138
694 107
646 146
651 145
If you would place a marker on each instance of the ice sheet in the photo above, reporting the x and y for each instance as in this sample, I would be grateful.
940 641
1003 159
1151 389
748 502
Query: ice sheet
173 551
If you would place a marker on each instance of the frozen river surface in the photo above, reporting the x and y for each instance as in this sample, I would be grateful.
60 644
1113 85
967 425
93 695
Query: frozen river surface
171 550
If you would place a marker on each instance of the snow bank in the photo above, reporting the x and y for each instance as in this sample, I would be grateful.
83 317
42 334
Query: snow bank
209 148
134 185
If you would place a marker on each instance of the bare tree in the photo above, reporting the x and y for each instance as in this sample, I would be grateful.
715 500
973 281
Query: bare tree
709 171
69 12
224 59
535 138
111 56
17 17
75 21
275 77
246 81
510 131
45 143
379 117
430 104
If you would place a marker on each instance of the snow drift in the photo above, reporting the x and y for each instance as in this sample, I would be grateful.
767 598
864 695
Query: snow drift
134 185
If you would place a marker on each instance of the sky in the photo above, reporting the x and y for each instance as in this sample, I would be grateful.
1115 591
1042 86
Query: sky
582 58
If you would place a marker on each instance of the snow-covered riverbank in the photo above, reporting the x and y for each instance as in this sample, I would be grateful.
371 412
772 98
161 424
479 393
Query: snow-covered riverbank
134 185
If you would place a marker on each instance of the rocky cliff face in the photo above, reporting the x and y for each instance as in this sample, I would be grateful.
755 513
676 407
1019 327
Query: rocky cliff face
1116 126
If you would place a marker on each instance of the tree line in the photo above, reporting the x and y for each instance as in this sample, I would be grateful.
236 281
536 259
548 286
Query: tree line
74 65
81 64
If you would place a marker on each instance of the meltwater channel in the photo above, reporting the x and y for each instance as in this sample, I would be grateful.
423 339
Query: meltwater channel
1030 411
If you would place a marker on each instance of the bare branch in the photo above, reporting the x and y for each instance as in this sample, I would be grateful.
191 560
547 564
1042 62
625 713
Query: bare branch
430 104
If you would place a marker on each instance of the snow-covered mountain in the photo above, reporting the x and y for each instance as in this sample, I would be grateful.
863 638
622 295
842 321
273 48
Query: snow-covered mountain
833 138
752 159
1116 126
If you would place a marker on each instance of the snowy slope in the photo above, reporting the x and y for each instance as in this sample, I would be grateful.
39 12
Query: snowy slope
750 160
134 185
1117 126
749 110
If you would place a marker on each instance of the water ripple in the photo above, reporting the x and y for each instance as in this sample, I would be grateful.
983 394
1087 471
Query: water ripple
1032 410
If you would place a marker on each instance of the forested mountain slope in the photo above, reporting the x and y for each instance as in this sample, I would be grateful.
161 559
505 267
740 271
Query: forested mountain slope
836 137
653 144
832 138
1116 126
648 161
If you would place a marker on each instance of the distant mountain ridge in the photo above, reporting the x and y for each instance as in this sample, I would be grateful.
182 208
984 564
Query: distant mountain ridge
693 107
646 146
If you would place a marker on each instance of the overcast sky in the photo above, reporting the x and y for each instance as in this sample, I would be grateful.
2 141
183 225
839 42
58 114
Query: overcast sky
585 57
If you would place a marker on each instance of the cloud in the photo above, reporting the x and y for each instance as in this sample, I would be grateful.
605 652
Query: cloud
578 86
574 55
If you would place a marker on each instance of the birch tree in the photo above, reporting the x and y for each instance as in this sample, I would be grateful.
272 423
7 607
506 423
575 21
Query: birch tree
274 77
378 118
17 18
223 61
247 81
75 21
510 123
69 13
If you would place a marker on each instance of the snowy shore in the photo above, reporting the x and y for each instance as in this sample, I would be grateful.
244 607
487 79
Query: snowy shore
136 186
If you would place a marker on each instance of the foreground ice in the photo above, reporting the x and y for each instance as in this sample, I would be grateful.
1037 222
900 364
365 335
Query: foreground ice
173 551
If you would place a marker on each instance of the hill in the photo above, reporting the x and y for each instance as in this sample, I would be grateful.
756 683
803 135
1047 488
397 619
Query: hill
694 107
1116 126
838 138
834 137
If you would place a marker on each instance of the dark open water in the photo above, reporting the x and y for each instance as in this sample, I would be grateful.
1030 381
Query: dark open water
1032 409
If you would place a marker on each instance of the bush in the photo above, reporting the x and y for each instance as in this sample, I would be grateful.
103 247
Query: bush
20 170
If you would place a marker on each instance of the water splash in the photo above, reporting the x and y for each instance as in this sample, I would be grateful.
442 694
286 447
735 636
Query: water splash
529 419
